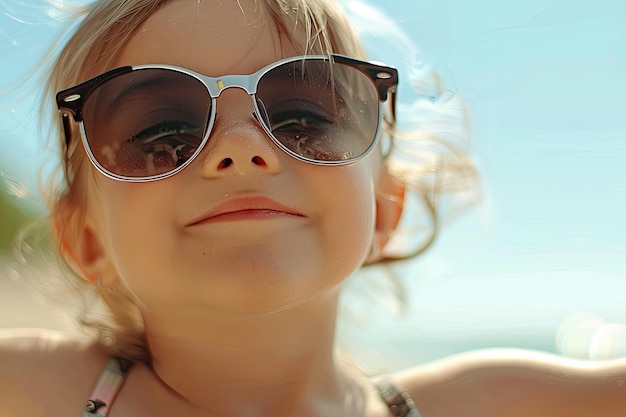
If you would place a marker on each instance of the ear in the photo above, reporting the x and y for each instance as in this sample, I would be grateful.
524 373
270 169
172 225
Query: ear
389 202
82 248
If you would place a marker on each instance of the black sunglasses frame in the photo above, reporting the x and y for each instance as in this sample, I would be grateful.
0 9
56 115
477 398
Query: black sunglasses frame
72 100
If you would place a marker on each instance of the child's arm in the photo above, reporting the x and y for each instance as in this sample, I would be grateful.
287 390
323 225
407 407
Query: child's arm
45 373
517 383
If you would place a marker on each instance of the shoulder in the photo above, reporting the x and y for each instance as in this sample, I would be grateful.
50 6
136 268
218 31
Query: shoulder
507 382
44 370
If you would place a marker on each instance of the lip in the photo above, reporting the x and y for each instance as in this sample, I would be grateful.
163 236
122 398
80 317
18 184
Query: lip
245 208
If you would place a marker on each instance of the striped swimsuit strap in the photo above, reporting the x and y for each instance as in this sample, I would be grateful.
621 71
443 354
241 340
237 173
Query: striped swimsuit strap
114 374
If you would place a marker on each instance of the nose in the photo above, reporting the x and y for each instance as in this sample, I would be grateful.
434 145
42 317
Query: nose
238 144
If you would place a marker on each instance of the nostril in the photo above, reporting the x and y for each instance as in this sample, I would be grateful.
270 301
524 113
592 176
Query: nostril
257 160
225 163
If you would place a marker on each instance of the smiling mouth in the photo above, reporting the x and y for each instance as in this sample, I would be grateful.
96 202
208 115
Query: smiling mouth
249 208
253 214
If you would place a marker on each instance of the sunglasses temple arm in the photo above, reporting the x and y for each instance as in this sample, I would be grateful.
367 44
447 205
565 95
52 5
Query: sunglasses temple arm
393 106
67 128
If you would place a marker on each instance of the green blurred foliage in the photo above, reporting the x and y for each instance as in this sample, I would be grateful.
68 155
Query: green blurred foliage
12 219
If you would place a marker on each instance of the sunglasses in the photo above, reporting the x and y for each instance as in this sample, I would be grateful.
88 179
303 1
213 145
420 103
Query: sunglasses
148 122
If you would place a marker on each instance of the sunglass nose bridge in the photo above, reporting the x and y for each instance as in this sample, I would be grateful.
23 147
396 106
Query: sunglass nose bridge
219 84
261 115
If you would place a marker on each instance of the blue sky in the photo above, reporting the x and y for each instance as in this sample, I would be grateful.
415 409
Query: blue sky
544 84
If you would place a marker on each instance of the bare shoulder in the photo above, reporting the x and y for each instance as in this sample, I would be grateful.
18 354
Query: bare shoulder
44 370
507 382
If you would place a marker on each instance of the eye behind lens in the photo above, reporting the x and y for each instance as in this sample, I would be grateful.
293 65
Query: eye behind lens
321 111
146 122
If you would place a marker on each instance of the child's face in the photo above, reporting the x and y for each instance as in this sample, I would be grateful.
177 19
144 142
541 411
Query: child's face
254 261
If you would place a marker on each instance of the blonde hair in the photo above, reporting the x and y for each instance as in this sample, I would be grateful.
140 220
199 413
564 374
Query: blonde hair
106 27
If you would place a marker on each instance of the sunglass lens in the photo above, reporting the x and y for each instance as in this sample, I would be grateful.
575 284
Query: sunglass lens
319 110
147 122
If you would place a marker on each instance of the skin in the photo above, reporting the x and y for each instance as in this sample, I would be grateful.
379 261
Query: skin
240 314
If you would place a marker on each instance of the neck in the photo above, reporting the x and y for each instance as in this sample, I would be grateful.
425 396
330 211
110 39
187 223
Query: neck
280 364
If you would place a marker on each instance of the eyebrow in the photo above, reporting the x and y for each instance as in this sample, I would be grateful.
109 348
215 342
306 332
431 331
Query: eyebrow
141 85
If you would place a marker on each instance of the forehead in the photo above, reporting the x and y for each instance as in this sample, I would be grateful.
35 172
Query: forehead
210 37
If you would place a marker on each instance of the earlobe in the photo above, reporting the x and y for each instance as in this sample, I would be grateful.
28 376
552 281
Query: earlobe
389 203
82 248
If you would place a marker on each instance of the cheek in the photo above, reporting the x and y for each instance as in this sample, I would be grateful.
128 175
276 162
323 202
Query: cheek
350 212
136 224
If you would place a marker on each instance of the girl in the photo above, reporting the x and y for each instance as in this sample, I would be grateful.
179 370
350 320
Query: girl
225 173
